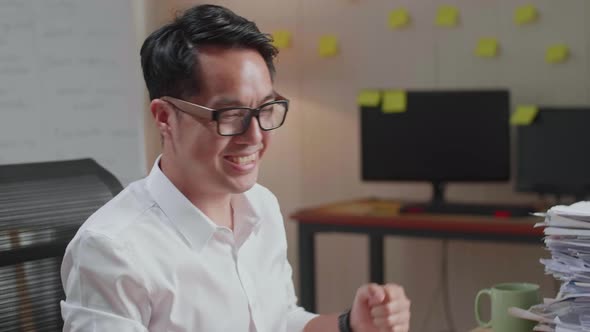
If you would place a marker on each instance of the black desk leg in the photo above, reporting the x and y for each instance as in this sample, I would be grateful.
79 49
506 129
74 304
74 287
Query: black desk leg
306 267
376 258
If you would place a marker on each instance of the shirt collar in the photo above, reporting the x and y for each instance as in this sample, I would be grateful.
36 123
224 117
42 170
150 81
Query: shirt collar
246 216
192 223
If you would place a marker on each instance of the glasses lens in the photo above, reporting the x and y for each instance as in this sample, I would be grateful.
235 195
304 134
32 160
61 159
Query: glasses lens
272 116
236 121
232 121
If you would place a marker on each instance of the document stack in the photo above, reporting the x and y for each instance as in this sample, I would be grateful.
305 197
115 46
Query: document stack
567 237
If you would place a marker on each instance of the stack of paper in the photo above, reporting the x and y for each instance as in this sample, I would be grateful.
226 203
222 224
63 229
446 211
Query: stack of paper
567 237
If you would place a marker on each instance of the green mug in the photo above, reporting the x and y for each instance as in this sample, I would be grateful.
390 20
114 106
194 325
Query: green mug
504 296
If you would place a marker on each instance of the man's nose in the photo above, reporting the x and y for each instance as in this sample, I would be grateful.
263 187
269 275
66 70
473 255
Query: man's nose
253 133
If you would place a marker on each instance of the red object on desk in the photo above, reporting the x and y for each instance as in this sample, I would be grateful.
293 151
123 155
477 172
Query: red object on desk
415 210
502 214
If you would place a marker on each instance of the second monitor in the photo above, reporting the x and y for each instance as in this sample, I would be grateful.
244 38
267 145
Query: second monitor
553 154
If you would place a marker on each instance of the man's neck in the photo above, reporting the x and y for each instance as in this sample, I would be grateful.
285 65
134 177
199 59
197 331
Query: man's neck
218 209
215 206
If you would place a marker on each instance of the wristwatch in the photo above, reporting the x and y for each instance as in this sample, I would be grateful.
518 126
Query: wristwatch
344 322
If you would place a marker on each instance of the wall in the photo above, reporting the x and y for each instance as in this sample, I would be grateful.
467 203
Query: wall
69 87
315 158
148 16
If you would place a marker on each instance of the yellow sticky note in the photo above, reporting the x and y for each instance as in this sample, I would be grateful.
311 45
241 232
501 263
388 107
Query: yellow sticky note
328 46
281 39
394 101
557 53
525 14
524 115
399 18
447 16
487 48
369 98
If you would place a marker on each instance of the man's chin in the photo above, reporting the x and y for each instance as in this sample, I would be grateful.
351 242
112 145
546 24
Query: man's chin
242 185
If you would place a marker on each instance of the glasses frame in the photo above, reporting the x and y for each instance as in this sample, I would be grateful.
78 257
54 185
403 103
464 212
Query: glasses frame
212 114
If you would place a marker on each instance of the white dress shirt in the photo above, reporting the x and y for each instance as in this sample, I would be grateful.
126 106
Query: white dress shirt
149 260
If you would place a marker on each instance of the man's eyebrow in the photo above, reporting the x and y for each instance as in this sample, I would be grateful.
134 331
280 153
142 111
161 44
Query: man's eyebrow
271 95
226 101
231 101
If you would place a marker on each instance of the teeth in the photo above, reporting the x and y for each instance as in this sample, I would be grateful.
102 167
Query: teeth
243 160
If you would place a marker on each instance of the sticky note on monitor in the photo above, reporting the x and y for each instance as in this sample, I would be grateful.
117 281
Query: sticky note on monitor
557 53
399 18
447 16
394 101
524 115
281 39
328 46
525 14
369 98
487 47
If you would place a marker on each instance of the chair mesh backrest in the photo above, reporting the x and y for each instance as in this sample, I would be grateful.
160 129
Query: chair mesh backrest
42 205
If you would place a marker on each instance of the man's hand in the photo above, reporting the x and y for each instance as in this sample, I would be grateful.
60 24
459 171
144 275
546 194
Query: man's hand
380 308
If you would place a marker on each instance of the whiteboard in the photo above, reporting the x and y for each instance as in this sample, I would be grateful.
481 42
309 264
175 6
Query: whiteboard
70 84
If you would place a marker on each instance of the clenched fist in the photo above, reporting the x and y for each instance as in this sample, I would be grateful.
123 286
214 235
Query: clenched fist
380 308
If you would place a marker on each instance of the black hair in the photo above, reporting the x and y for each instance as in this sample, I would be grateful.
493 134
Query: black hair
169 55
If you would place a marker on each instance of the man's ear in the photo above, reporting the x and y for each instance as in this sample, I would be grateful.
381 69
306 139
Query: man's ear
162 113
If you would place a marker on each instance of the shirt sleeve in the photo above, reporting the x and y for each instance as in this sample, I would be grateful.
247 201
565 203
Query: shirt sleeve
104 292
297 317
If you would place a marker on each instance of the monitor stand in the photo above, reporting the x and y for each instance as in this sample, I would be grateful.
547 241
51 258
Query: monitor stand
439 206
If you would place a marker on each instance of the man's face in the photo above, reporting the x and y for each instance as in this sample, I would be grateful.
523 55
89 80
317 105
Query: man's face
204 160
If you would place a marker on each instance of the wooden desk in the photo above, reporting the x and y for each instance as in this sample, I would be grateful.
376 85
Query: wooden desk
379 218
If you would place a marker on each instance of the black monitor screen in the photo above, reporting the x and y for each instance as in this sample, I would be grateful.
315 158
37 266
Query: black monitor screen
441 136
554 152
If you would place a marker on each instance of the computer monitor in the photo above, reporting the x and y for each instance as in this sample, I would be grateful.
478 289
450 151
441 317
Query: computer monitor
442 136
553 152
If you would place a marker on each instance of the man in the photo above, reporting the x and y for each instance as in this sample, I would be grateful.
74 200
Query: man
198 245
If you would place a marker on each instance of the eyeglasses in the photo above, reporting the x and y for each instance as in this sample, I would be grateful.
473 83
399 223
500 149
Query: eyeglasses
233 121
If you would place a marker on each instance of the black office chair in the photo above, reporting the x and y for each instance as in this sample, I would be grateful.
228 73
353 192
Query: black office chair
42 205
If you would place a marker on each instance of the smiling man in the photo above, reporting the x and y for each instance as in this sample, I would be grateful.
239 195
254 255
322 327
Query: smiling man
198 245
